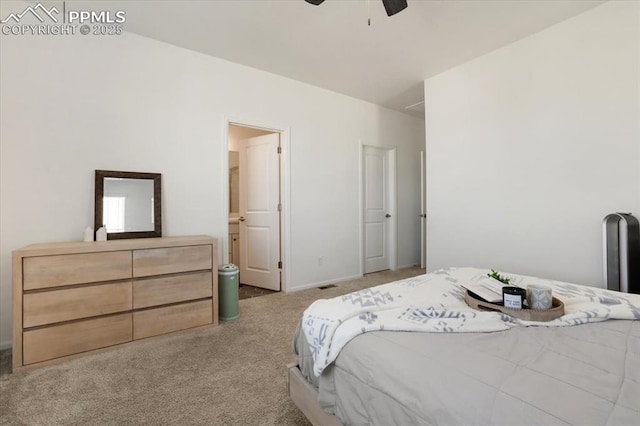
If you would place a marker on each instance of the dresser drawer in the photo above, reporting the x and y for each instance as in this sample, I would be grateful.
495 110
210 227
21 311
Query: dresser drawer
152 322
171 260
68 269
171 289
74 303
66 339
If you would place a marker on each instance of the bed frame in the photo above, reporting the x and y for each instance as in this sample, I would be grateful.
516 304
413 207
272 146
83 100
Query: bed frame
306 398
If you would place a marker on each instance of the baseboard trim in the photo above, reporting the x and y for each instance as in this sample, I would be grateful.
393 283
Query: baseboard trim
5 345
322 283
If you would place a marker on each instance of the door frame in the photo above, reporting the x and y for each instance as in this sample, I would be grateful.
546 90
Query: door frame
285 191
392 244
423 210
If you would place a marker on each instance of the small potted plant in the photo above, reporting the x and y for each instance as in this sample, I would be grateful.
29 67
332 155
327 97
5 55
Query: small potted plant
495 275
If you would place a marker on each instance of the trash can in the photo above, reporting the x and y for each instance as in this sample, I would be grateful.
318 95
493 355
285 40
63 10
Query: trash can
228 292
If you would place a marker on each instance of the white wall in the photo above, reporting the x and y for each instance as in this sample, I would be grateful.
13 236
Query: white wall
73 104
530 146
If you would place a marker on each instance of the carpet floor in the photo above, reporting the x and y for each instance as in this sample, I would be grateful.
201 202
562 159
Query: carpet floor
233 374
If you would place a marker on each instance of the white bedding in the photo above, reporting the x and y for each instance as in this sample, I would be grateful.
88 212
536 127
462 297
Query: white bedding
583 375
435 303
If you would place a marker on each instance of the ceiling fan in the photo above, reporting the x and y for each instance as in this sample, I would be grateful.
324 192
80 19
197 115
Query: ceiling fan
391 6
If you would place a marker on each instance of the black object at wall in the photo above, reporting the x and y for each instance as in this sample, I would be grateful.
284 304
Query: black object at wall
621 256
390 6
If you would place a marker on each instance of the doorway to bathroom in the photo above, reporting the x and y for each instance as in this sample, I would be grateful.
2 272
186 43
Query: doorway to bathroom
255 207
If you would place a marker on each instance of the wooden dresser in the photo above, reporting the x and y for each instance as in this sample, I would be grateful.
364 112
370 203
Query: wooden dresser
76 297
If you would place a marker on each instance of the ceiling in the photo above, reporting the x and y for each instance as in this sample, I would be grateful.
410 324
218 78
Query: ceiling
331 45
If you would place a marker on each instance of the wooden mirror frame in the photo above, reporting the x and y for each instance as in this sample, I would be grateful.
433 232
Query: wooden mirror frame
157 203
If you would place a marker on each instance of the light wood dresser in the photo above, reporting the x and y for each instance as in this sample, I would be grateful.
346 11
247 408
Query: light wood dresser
71 298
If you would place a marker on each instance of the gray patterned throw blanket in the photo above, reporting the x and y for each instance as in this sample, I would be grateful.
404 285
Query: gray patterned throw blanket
435 303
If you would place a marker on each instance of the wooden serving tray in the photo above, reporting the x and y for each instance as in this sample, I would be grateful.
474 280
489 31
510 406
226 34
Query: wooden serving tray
556 311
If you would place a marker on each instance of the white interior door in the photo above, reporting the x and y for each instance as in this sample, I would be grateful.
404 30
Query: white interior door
423 211
376 209
259 215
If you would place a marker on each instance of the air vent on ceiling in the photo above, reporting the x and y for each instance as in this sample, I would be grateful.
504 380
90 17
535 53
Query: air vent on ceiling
417 107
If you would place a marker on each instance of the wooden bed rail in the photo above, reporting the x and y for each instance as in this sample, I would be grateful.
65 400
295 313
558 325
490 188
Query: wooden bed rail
306 398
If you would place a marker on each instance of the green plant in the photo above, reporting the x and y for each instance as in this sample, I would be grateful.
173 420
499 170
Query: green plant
495 275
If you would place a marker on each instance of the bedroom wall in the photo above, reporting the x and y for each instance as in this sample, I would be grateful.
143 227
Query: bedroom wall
530 146
73 104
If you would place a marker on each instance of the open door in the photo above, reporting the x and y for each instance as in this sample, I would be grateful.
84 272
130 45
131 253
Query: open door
259 211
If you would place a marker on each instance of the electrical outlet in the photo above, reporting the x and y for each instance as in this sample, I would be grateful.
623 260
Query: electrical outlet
320 260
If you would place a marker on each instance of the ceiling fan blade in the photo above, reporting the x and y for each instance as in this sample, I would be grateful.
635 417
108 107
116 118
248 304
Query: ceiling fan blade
314 2
393 6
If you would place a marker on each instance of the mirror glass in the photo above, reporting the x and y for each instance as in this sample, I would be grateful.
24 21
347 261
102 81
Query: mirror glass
128 204
234 183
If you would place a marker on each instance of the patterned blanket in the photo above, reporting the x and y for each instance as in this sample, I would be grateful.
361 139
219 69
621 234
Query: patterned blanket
435 303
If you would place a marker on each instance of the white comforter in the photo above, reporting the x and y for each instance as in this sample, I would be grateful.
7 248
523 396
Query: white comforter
435 303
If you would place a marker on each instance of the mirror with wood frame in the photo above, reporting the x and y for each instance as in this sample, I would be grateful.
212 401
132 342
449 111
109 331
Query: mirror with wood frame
128 204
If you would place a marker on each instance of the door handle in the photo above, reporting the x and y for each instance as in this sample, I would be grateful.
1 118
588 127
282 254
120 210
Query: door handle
387 215
423 215
241 219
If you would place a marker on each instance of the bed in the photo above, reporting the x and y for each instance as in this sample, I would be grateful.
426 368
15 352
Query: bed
460 366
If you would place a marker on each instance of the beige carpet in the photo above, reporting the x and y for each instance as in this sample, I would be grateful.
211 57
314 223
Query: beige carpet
233 374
